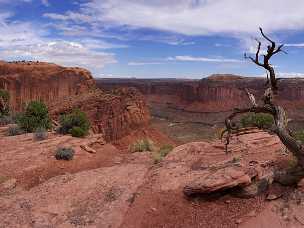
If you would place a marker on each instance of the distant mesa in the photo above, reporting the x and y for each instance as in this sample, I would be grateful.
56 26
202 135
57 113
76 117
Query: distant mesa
224 77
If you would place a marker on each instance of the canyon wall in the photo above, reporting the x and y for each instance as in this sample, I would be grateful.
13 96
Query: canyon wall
210 99
28 81
63 89
115 114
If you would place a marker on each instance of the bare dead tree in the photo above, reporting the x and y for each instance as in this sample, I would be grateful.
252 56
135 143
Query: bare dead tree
268 102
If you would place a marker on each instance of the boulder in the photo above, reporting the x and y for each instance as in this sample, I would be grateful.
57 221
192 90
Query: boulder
204 167
220 180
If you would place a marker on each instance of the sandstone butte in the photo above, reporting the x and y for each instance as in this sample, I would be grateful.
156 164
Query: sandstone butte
28 81
63 89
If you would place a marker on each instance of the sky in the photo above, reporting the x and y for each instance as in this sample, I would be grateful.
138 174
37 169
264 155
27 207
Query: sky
153 38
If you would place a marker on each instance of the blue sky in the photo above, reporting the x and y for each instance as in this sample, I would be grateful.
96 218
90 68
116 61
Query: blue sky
152 38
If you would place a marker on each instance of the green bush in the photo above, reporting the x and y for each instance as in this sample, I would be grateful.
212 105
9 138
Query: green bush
14 130
40 134
78 132
4 104
63 153
73 122
5 120
260 120
161 153
299 135
35 116
141 146
165 150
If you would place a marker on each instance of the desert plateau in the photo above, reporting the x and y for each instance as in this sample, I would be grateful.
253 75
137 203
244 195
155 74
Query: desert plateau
151 114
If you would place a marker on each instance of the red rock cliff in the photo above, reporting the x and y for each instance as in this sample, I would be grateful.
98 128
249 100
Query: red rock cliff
28 81
209 99
114 114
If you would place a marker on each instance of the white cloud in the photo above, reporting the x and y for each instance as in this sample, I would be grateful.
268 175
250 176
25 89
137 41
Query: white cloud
187 58
286 75
45 3
21 40
290 75
193 17
61 52
294 45
144 63
70 16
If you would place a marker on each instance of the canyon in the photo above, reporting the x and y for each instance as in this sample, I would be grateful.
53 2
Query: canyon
210 97
190 110
106 184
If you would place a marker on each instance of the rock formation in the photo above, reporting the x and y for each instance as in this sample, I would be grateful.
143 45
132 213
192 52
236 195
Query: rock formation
209 99
122 190
63 89
28 81
114 114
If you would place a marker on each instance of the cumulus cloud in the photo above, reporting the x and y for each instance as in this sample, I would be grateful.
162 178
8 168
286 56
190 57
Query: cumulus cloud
61 52
20 40
193 17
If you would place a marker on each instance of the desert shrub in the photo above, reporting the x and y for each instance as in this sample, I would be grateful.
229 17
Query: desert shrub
219 133
73 122
260 120
14 130
292 162
63 153
161 153
6 119
40 134
141 146
165 150
78 132
35 116
299 135
4 102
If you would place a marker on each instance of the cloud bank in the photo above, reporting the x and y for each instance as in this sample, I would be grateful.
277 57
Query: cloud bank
193 17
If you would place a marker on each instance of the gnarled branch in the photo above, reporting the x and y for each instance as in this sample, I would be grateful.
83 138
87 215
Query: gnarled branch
272 50
269 106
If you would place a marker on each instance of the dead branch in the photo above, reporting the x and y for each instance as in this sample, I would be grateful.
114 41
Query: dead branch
272 50
268 106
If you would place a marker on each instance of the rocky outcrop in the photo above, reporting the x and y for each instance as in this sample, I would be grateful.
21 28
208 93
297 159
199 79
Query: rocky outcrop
95 198
115 114
111 188
63 89
28 81
203 167
210 99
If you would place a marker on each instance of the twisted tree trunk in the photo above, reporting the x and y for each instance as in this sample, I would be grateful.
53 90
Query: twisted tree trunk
268 106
